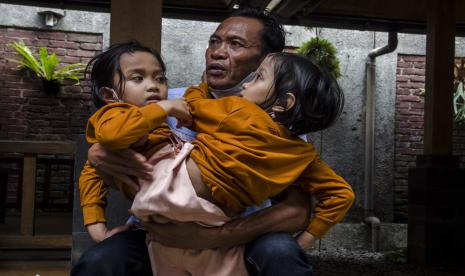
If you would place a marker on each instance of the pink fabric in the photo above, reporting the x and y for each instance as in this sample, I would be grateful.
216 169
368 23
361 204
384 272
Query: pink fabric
171 195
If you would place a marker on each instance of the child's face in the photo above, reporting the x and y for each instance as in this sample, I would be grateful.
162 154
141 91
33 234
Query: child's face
145 80
261 88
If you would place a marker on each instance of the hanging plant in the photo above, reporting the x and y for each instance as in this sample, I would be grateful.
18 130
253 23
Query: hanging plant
323 53
459 92
46 67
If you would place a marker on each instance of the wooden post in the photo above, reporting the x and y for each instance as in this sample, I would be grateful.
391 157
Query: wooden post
28 199
139 20
440 52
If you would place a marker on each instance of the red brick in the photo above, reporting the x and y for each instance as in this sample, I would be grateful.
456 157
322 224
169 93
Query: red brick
83 37
68 59
403 64
80 53
413 71
64 44
407 98
419 65
402 78
411 85
51 35
418 79
414 58
16 33
91 46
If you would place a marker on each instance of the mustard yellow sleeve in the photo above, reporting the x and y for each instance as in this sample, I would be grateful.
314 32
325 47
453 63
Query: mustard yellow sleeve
119 125
197 92
333 193
93 192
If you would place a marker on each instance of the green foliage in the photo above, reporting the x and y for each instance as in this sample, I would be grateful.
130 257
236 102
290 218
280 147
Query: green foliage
46 66
323 53
459 103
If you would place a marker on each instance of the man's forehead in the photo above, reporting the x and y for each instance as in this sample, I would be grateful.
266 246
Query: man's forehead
243 27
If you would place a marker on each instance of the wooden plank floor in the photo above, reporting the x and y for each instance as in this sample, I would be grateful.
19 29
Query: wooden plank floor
34 268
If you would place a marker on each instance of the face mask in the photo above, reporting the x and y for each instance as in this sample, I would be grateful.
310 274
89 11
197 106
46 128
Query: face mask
233 91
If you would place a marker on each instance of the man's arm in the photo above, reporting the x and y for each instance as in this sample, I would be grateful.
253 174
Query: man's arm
290 215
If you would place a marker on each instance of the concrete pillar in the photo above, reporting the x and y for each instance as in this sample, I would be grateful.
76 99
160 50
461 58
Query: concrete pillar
436 185
140 20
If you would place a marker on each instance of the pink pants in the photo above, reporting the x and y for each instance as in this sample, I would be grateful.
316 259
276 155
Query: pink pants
171 195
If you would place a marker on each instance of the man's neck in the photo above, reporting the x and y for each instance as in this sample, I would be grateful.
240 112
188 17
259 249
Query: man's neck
233 91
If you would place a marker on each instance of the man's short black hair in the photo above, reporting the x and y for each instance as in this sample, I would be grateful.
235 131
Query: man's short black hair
273 35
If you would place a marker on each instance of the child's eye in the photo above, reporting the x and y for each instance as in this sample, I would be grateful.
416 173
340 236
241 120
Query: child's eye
137 78
161 79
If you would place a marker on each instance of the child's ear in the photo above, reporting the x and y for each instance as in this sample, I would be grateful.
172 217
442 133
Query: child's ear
108 94
285 105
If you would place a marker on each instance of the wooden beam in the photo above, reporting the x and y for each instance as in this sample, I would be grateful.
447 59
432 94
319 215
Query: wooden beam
28 198
139 20
35 242
38 147
440 52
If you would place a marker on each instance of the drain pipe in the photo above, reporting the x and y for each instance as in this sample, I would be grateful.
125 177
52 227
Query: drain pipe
370 218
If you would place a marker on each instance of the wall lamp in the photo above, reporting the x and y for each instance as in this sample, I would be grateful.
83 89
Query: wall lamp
51 18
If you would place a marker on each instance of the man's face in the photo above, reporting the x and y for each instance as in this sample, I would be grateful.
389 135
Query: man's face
233 52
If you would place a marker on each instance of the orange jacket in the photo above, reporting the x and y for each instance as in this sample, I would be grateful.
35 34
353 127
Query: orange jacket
243 155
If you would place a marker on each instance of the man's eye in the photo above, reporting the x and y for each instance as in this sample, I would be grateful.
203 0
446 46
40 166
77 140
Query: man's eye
213 41
236 44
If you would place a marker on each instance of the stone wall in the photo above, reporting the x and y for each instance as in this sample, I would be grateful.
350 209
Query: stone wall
409 127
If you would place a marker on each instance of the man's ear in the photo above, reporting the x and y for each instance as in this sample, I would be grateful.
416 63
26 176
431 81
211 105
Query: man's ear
285 105
108 94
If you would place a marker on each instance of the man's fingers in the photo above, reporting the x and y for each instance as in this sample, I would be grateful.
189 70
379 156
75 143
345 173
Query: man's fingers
133 185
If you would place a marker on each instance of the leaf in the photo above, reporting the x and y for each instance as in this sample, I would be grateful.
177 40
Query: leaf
46 66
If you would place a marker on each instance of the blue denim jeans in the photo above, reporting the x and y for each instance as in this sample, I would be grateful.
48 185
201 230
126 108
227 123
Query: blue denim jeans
126 254
276 254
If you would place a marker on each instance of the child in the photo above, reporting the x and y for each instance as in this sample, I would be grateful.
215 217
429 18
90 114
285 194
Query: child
241 157
138 74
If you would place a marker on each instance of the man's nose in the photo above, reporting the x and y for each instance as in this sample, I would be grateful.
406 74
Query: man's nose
219 51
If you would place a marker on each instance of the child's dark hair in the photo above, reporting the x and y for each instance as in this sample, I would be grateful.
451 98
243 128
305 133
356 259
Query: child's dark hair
105 65
319 99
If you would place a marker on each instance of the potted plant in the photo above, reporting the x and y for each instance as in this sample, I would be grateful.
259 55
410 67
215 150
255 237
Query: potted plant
46 67
323 53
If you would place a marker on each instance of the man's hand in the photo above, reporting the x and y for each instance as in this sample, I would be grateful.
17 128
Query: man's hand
185 235
120 165
99 231
290 215
177 108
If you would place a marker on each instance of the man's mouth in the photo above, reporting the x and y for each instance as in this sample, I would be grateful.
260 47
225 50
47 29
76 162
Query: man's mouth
216 69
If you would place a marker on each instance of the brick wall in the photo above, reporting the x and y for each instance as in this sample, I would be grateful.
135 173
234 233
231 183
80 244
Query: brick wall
409 127
27 113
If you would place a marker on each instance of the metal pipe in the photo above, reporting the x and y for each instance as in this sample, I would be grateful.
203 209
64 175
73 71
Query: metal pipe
370 113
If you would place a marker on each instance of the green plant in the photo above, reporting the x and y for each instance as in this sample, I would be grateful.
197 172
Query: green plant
459 92
46 66
322 52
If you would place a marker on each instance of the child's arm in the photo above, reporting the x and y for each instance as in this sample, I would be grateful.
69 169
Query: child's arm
334 197
99 231
120 125
93 192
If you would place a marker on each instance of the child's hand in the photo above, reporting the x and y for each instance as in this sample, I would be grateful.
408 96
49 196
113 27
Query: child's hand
99 231
177 108
306 240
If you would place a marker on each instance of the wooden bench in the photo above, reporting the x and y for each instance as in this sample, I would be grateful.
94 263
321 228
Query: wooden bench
30 150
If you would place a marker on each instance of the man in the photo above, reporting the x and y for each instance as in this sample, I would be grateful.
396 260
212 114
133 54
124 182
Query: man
235 50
